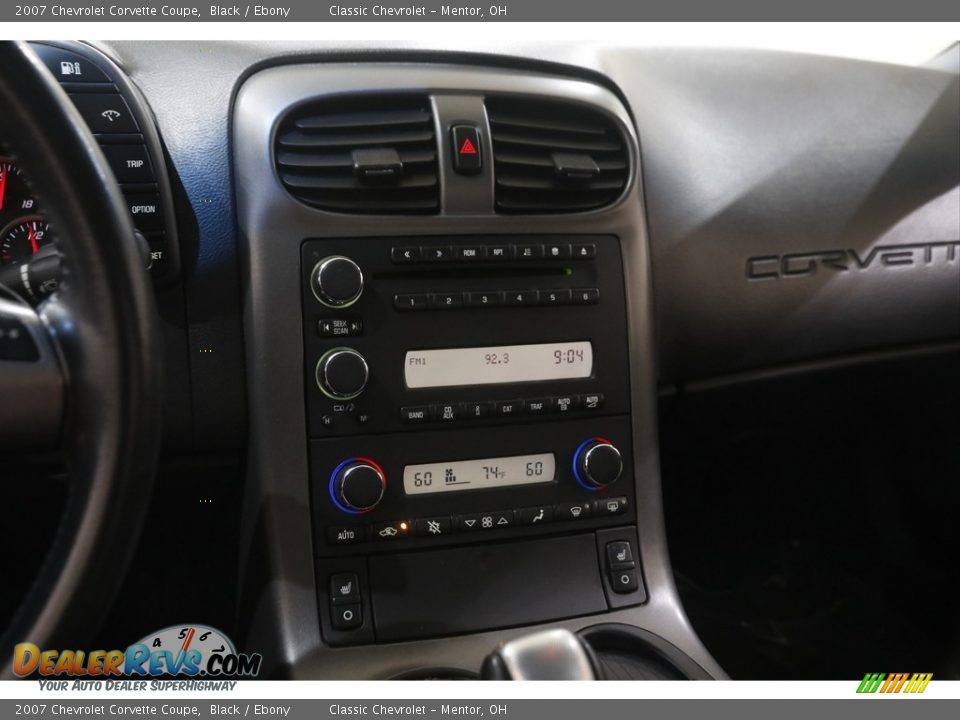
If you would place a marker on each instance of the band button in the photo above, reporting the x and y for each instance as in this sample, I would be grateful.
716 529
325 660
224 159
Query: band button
416 413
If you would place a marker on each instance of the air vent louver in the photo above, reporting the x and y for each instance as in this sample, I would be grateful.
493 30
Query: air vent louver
554 157
361 154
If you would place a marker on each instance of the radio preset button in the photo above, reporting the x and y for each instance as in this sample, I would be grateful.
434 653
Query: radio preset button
586 296
336 281
446 301
499 252
521 297
416 413
492 298
555 297
437 253
536 515
584 251
411 302
405 254
529 252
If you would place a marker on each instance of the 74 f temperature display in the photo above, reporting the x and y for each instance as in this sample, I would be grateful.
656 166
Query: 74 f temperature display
478 474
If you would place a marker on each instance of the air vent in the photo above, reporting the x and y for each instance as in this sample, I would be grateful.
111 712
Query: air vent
554 157
361 154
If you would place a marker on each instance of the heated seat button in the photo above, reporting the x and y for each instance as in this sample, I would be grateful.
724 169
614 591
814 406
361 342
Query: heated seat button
344 589
346 617
466 149
619 555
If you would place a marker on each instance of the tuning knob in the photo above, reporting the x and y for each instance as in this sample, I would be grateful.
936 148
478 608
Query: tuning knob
342 373
336 281
597 463
357 485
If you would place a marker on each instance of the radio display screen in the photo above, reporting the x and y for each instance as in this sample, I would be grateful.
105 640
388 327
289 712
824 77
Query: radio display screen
478 474
498 364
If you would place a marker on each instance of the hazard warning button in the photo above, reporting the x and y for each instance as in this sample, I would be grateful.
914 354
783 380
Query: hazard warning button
466 149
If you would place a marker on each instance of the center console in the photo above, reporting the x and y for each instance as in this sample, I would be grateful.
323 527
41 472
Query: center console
451 380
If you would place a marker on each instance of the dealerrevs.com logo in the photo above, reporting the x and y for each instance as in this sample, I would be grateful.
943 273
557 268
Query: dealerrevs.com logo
887 683
179 650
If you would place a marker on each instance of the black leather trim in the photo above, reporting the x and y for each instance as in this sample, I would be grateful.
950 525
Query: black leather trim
104 321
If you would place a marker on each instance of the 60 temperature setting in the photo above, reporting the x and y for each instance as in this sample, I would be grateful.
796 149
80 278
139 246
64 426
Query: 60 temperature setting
597 463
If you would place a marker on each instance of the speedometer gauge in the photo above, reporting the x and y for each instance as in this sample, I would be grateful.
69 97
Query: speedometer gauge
22 238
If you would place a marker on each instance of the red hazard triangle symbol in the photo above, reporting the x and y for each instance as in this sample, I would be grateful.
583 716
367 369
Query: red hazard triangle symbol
468 148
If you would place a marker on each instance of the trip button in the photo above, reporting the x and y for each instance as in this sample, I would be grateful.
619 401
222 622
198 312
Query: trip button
130 163
344 588
105 113
346 617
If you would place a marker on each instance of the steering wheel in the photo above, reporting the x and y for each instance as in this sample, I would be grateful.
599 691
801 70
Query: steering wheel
82 373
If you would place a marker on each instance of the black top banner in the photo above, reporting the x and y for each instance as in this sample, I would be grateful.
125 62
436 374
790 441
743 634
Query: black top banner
479 11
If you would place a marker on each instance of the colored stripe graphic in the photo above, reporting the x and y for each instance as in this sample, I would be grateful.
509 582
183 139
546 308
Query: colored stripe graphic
894 683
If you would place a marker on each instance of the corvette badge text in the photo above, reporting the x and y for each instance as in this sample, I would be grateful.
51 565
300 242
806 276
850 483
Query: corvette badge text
188 651
804 264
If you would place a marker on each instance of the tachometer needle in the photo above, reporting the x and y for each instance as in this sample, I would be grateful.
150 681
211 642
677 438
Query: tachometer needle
3 186
33 238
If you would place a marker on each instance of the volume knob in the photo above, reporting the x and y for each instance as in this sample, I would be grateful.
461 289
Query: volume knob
342 373
597 463
357 485
336 281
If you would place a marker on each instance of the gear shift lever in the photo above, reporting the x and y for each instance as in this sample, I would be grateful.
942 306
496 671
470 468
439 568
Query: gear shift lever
549 655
